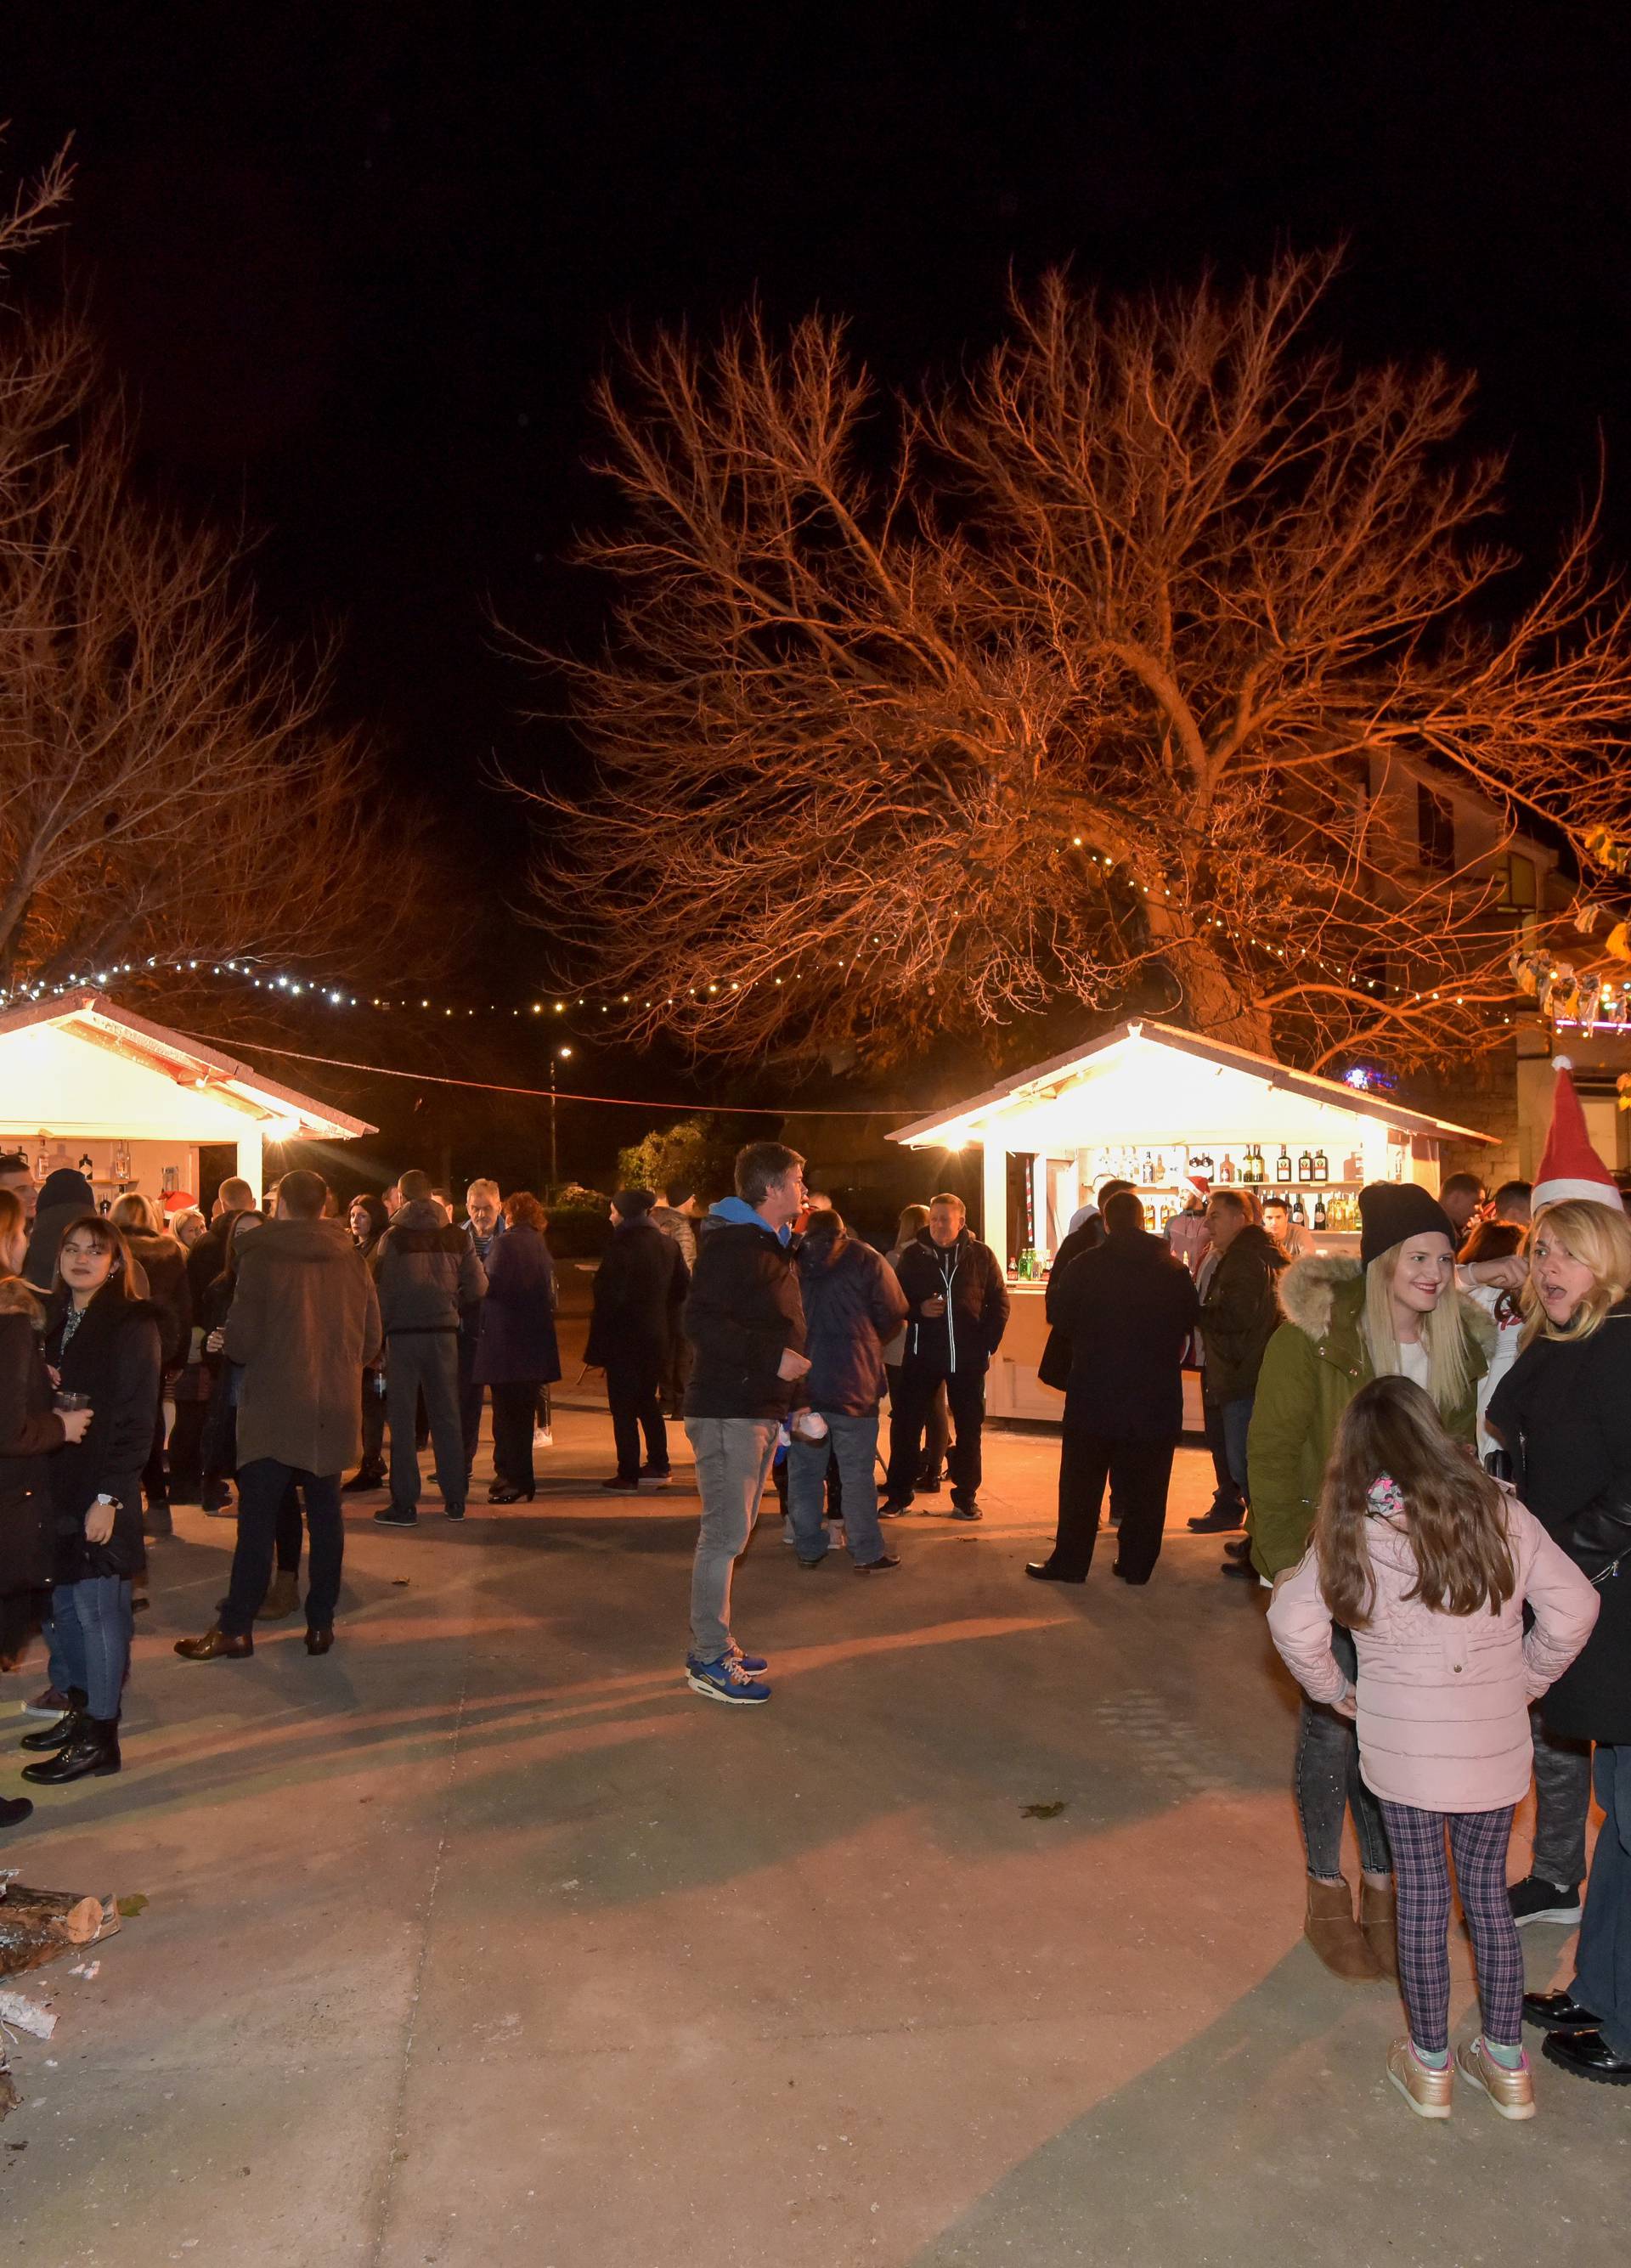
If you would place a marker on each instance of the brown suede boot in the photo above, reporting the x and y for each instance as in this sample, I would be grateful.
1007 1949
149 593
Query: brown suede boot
1378 1917
1330 1929
282 1598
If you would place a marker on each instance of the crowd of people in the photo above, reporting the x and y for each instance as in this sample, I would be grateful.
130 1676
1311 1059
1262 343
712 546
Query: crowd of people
1423 1453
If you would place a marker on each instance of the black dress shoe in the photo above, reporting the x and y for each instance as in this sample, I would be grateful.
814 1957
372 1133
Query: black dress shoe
1244 1568
14 1810
1587 2054
319 1641
1044 1571
366 1477
214 1645
1218 1521
1240 1549
1118 1569
94 1752
50 1738
510 1494
1553 2012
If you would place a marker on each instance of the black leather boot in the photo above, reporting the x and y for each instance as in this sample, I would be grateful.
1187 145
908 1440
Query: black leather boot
50 1738
94 1751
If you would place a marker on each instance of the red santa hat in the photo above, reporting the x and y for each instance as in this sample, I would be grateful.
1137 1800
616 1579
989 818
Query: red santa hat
1570 1168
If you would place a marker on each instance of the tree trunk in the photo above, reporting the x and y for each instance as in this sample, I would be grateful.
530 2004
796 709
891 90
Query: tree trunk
39 1926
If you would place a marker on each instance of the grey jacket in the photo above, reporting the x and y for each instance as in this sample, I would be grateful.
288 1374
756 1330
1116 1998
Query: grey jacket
425 1271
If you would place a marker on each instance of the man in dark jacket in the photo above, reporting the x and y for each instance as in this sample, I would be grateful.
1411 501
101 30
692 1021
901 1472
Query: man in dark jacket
853 1303
426 1273
639 1288
208 1256
957 1312
744 1319
304 1321
1128 1308
1239 1316
482 1226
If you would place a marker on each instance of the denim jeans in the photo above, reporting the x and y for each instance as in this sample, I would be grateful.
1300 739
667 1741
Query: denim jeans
1226 1494
91 1641
427 1363
733 1458
1325 1781
854 1441
1562 1800
1603 1957
262 1492
1236 1425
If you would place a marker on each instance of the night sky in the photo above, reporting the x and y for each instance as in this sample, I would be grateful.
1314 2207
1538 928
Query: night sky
358 264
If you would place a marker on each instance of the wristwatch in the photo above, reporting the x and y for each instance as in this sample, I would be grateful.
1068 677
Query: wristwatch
108 1499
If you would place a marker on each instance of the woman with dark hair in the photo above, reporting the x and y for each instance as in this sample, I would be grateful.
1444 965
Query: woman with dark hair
1463 1611
368 1218
516 1353
30 1430
160 1259
106 1345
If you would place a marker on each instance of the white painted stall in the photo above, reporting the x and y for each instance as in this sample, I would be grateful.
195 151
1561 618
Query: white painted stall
1154 1103
82 1078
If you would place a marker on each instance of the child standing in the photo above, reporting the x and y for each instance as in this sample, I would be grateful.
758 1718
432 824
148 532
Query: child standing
1430 1564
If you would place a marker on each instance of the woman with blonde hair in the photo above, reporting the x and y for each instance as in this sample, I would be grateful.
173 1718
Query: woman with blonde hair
1394 1313
1564 1411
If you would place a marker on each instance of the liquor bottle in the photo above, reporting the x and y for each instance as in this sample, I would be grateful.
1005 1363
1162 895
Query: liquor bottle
1299 1218
1319 1212
1249 1166
1261 1173
1226 1171
1282 1165
1148 1171
86 1168
1322 1166
1305 1166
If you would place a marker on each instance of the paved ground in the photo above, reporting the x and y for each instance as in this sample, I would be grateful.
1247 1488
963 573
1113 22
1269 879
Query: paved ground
485 1942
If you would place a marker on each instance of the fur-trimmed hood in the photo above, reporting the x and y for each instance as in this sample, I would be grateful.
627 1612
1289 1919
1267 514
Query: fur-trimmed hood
19 1299
1325 1292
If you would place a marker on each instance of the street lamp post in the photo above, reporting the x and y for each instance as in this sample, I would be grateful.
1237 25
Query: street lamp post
565 1056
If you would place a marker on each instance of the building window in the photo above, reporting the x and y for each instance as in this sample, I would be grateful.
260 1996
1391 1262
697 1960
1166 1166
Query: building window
1436 829
1520 895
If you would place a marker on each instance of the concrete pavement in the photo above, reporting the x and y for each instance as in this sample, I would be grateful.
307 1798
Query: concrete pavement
483 1941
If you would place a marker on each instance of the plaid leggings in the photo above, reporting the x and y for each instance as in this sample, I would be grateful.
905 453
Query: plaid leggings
1478 1840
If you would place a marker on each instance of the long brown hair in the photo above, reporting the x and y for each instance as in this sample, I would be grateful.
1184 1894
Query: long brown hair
1454 1513
120 1284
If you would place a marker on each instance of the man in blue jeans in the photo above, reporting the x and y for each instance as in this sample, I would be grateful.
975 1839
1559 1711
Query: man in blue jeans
852 1305
304 1323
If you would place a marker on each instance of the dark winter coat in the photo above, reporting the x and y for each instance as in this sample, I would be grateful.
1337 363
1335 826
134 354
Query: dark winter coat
516 1345
744 1310
1316 1362
64 1195
425 1271
207 1259
115 1357
966 1276
1241 1313
163 1261
1127 1309
304 1321
639 1291
852 1305
30 1431
1564 1411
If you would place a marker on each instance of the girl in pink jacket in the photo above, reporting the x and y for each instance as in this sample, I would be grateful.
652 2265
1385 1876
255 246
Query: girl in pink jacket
1430 1564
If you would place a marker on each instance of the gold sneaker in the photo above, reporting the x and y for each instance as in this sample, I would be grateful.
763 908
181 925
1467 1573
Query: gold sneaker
1428 2093
1512 2092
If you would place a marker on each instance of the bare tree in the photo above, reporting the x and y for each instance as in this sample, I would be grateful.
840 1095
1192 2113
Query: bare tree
171 790
1110 673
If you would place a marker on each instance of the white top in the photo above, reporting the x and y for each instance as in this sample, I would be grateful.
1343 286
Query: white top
1415 1363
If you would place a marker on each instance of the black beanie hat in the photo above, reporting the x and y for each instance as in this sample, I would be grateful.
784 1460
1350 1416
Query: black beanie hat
1389 1211
633 1204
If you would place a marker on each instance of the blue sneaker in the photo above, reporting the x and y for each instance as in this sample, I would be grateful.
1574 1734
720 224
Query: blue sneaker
724 1680
754 1664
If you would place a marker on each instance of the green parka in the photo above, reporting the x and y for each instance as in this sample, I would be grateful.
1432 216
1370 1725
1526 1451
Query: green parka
1316 1362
